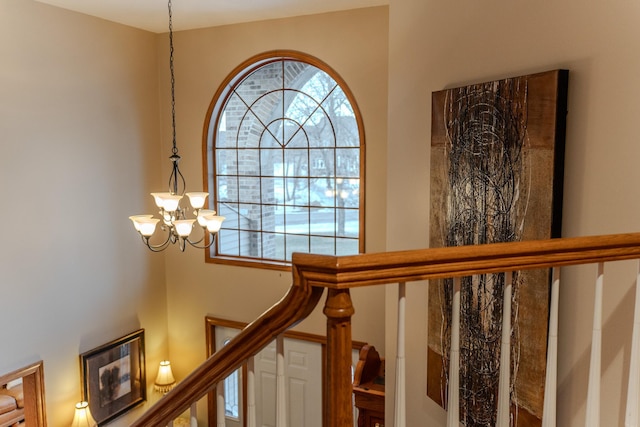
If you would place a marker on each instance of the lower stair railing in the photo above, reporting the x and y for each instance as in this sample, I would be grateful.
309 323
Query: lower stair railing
313 273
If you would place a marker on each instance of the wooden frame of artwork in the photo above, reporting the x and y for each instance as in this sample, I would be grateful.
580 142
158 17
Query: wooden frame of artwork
497 157
114 377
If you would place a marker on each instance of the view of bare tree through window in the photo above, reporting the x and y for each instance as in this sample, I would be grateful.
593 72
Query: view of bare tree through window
287 161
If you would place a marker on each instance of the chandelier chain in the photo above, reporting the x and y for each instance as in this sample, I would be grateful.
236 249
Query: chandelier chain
173 81
176 176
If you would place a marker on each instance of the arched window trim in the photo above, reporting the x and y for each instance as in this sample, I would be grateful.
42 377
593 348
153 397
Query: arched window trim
211 123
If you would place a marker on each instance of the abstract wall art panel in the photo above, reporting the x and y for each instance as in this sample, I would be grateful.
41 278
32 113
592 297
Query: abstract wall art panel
497 155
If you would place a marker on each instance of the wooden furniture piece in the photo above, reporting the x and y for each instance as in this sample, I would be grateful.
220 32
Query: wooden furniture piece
368 388
27 398
11 405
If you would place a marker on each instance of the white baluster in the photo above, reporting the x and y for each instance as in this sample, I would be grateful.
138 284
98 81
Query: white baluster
251 393
220 413
453 401
170 424
593 393
633 391
551 379
281 397
504 395
400 409
193 415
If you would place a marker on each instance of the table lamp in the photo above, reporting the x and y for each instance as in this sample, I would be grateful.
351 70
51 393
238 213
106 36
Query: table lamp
165 380
83 417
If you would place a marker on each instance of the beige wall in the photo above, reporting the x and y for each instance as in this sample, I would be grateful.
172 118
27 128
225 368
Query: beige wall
439 44
82 131
79 101
354 43
78 116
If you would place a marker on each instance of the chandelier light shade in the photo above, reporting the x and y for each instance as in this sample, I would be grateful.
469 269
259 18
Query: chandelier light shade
83 417
165 380
173 217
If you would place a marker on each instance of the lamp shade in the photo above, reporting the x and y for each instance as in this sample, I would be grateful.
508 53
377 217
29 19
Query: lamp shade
159 198
184 226
197 199
135 219
214 223
165 380
144 224
202 216
83 417
167 201
171 203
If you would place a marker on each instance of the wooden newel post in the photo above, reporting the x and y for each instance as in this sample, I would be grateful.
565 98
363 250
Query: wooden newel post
338 410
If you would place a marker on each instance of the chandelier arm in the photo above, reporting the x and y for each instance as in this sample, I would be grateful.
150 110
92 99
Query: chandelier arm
176 177
196 243
160 247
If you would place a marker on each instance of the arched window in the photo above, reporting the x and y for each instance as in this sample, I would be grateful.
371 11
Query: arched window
285 162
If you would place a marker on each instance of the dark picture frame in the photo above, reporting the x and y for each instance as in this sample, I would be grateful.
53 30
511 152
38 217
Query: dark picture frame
114 377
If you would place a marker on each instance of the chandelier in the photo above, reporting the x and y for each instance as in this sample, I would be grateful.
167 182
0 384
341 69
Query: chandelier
175 224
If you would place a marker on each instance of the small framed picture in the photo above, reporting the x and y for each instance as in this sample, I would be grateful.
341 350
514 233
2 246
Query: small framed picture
113 377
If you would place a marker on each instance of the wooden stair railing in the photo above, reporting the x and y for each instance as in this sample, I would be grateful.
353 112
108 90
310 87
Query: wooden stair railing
297 304
312 273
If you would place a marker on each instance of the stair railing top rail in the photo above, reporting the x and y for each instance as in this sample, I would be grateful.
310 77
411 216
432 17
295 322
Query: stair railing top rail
312 273
341 272
296 305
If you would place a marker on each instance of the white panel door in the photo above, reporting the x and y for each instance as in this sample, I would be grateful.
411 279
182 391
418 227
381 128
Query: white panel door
265 375
303 384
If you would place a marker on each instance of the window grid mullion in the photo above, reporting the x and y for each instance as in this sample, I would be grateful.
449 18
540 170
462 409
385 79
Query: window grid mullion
315 114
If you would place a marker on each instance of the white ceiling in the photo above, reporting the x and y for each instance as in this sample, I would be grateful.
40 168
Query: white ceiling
152 15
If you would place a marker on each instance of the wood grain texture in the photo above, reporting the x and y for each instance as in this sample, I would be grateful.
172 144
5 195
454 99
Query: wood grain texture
311 273
439 263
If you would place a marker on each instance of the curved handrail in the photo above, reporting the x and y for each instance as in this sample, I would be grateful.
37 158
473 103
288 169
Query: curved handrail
297 304
312 273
